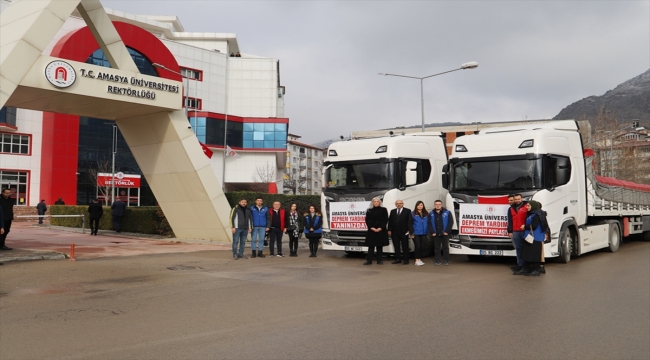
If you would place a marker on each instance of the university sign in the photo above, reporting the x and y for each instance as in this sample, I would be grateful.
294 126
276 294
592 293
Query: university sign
484 220
121 180
348 215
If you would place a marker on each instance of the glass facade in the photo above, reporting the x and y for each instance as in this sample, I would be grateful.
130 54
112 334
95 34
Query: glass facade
242 135
8 115
95 144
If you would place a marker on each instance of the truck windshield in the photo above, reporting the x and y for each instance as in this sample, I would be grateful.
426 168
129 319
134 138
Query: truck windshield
506 175
360 175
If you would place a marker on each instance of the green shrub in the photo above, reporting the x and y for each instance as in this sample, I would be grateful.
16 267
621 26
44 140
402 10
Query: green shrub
144 220
303 201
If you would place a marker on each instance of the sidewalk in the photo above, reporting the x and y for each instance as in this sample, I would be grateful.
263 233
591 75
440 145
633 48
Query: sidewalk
31 241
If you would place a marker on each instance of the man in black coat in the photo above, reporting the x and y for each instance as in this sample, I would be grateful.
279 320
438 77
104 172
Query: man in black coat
7 204
398 229
41 208
96 211
118 213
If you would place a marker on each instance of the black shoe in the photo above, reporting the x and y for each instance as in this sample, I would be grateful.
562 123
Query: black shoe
520 272
405 262
272 255
312 255
4 247
515 268
532 273
315 254
397 262
367 263
380 262
260 254
253 255
542 270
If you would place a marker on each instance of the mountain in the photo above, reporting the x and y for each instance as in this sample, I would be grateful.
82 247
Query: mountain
326 143
628 101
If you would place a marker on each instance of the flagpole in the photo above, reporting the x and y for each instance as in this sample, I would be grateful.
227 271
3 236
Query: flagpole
225 127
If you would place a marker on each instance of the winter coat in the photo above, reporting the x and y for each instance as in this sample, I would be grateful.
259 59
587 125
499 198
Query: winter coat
534 221
259 216
118 208
283 218
516 217
298 223
96 210
377 217
41 208
7 207
418 225
313 221
446 222
241 218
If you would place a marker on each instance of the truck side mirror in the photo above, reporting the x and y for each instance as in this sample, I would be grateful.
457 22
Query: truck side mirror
411 176
445 176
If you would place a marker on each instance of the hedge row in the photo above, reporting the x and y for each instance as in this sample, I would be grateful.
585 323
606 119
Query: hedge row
151 220
144 220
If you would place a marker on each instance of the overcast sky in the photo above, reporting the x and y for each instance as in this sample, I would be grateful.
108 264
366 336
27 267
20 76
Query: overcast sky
535 57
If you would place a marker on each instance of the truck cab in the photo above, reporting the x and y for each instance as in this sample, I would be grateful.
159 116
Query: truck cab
399 167
543 162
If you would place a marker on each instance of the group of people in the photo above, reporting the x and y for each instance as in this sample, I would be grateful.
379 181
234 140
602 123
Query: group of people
528 228
258 220
402 224
235 55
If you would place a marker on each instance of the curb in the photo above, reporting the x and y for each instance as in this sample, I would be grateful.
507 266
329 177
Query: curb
48 256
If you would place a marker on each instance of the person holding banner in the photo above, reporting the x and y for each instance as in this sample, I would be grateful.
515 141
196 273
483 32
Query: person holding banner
313 229
531 252
398 230
441 223
377 235
419 230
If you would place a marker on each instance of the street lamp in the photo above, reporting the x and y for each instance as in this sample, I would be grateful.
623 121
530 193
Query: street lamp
467 65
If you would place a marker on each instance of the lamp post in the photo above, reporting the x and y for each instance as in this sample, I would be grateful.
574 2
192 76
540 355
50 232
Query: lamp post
113 166
468 65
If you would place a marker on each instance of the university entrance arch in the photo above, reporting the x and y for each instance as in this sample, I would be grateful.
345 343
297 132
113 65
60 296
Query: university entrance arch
146 109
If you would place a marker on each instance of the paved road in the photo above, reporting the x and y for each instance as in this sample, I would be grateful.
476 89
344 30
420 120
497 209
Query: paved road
205 305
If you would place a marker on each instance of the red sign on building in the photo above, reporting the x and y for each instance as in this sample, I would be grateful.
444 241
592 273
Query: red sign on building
121 180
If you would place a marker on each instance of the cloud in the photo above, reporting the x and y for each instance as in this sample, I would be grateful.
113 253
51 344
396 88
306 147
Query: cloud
536 57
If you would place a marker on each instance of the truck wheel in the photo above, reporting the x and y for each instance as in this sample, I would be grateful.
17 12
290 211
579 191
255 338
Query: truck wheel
565 246
614 236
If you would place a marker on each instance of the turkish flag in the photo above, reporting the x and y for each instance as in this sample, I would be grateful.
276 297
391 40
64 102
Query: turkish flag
206 150
500 199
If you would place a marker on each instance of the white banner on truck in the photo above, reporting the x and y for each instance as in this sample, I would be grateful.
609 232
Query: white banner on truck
484 220
348 215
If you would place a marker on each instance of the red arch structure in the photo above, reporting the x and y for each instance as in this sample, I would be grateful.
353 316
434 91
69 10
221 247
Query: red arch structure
60 147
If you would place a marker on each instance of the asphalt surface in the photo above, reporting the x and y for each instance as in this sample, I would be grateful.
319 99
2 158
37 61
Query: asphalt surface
205 305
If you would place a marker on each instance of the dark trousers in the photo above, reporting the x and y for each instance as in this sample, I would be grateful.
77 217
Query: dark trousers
40 218
117 223
417 241
441 245
401 245
293 243
275 235
94 225
313 244
4 236
371 253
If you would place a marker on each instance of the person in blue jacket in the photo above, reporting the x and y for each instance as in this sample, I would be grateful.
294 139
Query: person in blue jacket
260 227
418 229
440 228
313 229
533 253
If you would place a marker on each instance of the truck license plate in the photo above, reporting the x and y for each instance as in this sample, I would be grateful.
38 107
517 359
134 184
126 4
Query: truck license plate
353 248
492 252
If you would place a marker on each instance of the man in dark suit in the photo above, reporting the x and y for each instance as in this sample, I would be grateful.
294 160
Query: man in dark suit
118 208
96 211
398 229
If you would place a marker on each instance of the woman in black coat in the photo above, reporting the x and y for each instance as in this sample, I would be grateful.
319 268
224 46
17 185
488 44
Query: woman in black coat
377 235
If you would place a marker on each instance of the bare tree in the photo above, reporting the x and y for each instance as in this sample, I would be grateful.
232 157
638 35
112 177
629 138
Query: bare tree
103 189
263 176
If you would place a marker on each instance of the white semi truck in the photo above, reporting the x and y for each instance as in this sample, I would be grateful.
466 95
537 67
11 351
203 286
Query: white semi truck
544 162
406 167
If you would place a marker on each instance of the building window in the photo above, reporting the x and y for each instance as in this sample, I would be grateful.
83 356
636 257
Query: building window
192 103
144 65
14 144
17 182
8 115
295 148
302 150
192 74
265 136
